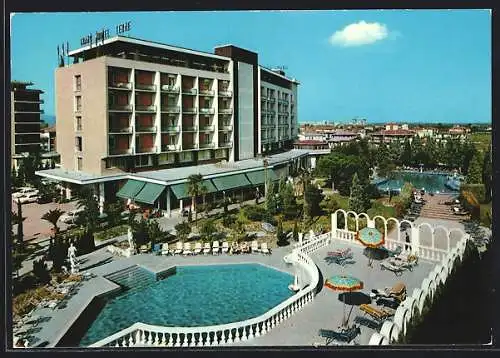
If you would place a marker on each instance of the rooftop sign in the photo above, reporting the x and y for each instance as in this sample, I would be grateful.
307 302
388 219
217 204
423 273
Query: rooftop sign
104 34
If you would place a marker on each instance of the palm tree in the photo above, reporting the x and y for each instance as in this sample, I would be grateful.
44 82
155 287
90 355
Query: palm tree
304 179
52 217
194 190
90 215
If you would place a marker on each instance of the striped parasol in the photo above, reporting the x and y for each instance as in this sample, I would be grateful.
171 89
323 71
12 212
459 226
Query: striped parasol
344 283
371 238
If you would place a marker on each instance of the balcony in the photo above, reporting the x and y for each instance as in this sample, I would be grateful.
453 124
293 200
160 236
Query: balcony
225 110
225 144
169 147
225 93
272 100
169 89
225 127
142 108
120 107
206 92
189 128
145 87
192 110
120 85
120 151
34 100
206 128
145 149
170 129
119 130
145 129
190 91
207 111
207 145
188 146
170 109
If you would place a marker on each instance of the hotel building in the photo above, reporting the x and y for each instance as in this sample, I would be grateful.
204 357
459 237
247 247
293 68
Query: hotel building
130 106
25 120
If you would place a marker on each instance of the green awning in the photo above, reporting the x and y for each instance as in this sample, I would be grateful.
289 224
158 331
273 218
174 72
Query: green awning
181 190
259 177
130 189
150 193
231 182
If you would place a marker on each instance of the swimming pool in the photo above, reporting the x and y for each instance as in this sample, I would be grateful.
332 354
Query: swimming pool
431 182
194 296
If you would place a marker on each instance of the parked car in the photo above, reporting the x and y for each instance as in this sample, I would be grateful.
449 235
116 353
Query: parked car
29 198
23 192
71 216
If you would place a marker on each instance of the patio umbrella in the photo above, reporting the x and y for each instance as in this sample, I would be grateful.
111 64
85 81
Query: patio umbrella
343 283
354 299
376 253
370 237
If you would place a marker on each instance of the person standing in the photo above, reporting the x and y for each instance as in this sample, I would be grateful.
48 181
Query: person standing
407 245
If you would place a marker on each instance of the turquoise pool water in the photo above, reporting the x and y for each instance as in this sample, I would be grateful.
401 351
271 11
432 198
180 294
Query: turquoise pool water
431 182
194 296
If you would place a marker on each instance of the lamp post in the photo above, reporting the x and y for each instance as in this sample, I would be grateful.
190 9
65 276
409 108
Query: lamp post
266 163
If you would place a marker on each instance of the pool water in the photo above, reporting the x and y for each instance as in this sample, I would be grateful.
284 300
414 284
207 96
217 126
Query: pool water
194 296
431 182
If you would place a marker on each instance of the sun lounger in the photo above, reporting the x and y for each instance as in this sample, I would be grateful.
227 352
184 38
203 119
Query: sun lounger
187 249
255 246
245 248
379 314
215 248
339 252
235 248
143 249
164 249
395 252
264 249
157 249
178 248
408 258
206 248
402 261
398 291
345 335
395 268
225 247
197 248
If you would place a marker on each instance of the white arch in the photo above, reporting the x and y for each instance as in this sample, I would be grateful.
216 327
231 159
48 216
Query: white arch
355 219
419 296
447 235
398 225
390 330
443 275
383 220
345 216
431 230
377 340
411 303
401 318
359 217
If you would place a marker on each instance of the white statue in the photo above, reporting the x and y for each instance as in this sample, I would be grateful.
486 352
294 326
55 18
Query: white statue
130 238
72 258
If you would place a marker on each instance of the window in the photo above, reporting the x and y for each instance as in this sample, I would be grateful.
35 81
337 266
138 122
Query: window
79 163
78 103
142 161
79 144
78 83
78 123
171 140
112 142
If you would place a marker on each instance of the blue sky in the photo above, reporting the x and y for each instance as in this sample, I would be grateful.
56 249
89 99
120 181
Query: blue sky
409 66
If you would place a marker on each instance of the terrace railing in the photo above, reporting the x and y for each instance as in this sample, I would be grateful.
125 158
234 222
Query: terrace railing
140 334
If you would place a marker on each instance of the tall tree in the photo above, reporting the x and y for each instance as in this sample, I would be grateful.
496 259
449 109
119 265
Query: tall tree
358 201
474 173
289 202
87 200
487 175
271 203
312 201
406 153
20 219
194 190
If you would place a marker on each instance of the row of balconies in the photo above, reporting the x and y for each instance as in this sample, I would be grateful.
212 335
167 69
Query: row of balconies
169 129
168 148
166 109
168 89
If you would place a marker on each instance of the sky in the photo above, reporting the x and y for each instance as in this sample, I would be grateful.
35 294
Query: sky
382 65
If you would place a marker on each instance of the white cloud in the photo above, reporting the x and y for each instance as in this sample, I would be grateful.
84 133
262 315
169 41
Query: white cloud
360 33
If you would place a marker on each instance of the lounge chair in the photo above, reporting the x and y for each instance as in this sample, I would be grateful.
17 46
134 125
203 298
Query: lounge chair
390 302
215 248
143 249
344 335
235 248
206 248
398 291
164 249
178 248
339 252
255 246
245 248
187 249
264 249
408 258
225 247
197 248
395 252
379 314
396 268
404 261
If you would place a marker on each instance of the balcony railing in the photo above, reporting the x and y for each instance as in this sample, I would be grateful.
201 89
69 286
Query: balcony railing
120 130
225 127
120 107
189 128
169 89
206 127
120 151
271 100
143 108
225 93
206 92
170 129
120 85
207 110
190 110
145 149
145 87
225 110
225 144
190 91
148 129
207 145
170 109
169 147
190 146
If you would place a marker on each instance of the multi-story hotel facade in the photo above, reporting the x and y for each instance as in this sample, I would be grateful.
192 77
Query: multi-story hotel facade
134 106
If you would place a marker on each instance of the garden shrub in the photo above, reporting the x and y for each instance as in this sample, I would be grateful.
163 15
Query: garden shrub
111 233
41 272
